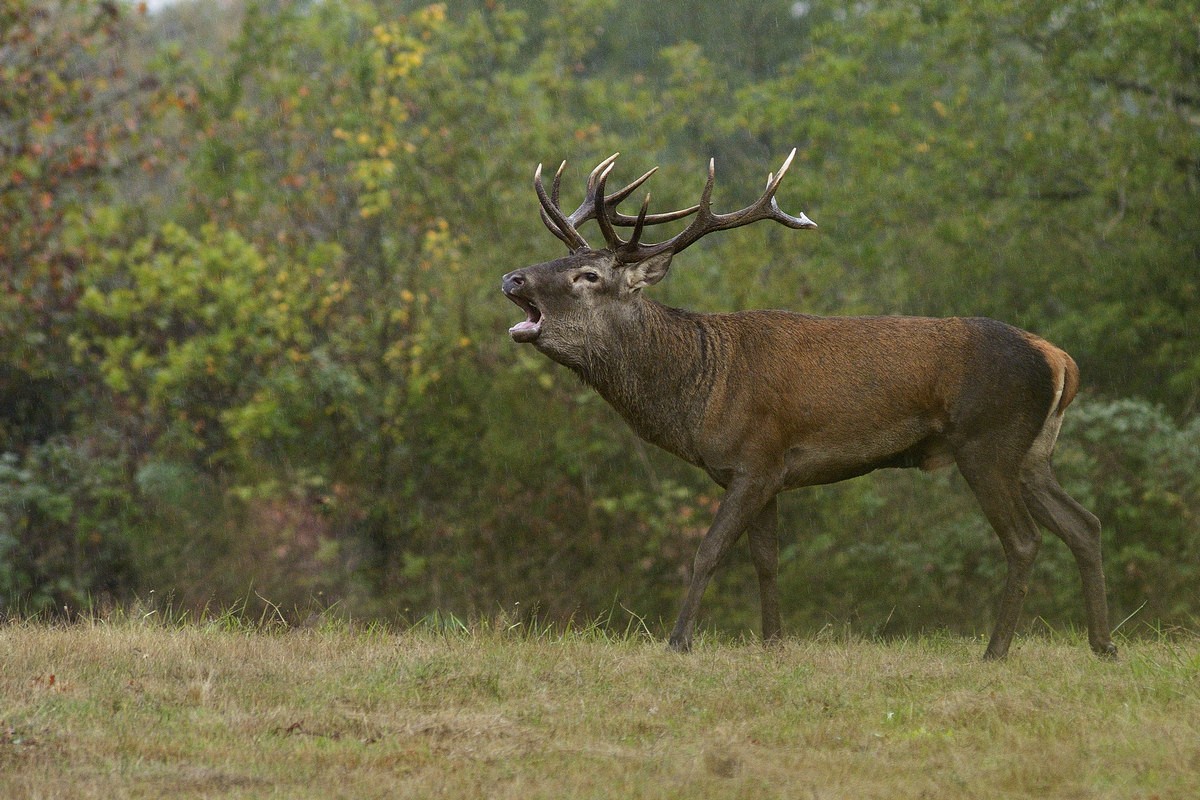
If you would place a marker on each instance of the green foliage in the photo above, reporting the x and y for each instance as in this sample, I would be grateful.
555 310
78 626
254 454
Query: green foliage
210 345
1139 470
66 520
72 116
250 257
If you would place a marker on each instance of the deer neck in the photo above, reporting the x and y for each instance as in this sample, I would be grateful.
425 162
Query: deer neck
651 369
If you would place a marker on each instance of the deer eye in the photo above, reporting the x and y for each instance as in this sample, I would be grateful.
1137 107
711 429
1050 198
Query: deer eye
590 277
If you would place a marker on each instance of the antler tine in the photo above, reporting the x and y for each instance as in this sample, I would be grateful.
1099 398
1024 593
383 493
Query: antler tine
640 223
705 222
554 188
625 221
618 196
600 169
557 182
775 178
553 217
611 217
613 241
706 195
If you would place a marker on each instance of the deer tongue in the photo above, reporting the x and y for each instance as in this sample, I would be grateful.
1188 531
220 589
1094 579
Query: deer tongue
528 329
525 331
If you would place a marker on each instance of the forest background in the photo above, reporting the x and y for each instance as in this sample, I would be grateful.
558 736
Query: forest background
252 347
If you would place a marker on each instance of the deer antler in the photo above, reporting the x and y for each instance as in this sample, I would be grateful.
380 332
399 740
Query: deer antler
565 227
707 222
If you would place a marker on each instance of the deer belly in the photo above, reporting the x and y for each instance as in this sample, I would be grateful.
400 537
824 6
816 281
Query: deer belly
828 462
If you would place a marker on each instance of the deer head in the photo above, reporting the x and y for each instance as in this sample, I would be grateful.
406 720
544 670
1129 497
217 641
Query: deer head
575 301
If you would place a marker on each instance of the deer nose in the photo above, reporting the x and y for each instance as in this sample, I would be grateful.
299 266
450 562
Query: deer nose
513 281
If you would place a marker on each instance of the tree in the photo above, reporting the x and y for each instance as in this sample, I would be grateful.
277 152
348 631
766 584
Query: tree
72 115
75 112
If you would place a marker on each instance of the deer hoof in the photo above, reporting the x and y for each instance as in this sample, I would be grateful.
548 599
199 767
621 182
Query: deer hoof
995 655
1106 650
677 644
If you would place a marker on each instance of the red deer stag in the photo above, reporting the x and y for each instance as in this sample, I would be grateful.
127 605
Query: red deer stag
765 401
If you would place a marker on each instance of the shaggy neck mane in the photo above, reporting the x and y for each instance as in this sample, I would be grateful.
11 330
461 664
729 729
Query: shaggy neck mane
655 371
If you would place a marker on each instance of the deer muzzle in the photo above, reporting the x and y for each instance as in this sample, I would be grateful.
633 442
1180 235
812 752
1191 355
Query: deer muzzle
513 285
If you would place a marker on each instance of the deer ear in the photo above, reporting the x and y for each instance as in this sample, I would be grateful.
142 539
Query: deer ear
648 272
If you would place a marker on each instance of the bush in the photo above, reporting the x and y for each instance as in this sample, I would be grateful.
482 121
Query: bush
1139 471
66 513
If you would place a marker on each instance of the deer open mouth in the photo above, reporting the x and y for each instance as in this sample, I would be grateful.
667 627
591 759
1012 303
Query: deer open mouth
531 326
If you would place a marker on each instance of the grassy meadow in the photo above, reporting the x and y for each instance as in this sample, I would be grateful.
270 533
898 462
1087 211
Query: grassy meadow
131 709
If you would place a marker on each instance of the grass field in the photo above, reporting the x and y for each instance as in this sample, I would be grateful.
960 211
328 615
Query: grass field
137 709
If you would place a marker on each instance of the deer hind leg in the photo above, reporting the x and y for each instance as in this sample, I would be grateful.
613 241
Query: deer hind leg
1063 516
998 491
764 550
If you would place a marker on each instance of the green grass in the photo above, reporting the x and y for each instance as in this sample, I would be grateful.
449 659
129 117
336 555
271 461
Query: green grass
128 708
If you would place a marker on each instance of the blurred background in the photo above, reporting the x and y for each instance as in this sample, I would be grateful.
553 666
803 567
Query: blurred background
252 347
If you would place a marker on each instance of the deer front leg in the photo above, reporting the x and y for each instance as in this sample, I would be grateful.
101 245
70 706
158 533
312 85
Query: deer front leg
744 500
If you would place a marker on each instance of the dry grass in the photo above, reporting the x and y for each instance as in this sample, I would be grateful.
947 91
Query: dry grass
128 709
